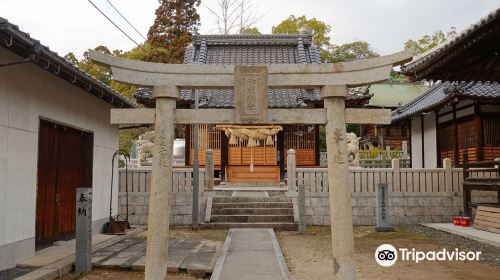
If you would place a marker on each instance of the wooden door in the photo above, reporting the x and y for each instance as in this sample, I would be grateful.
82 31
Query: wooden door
240 154
264 158
61 169
46 186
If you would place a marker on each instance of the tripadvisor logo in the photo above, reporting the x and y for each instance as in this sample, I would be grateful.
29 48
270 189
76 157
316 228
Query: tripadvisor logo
387 255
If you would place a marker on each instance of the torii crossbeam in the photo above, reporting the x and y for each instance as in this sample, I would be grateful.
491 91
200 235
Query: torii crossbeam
250 85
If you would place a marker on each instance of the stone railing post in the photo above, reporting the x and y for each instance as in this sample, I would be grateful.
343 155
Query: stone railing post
396 178
301 201
291 171
161 184
344 264
448 178
209 170
404 147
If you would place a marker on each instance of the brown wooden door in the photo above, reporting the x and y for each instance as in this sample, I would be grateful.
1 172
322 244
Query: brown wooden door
266 169
240 154
61 166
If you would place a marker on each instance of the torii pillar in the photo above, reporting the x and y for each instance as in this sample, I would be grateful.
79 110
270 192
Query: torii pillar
344 265
333 79
157 245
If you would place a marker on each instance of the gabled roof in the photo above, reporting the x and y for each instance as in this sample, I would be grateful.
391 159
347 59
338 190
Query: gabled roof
470 56
22 44
444 92
253 50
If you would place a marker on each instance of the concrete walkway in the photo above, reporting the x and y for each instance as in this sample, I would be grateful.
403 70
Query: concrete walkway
468 232
250 253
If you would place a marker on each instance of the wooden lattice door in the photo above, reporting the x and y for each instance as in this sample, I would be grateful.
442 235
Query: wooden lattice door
263 157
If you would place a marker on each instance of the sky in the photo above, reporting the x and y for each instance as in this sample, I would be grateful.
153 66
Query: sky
75 25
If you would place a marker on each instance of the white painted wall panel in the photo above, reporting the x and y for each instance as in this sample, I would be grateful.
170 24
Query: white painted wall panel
430 144
102 181
3 176
18 103
36 94
4 95
15 185
37 99
31 169
465 112
416 143
51 93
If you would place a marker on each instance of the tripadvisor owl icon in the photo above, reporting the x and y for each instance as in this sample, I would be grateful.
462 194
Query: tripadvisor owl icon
386 255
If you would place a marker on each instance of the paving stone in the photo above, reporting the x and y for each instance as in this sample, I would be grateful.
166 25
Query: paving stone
140 263
196 256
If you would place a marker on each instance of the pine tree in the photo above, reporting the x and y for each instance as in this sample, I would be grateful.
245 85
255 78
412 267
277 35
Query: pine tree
176 21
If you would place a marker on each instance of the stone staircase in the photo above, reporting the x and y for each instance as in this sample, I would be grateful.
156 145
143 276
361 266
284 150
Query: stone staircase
255 212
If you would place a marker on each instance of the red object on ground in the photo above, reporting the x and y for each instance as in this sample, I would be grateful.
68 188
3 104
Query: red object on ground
465 221
457 221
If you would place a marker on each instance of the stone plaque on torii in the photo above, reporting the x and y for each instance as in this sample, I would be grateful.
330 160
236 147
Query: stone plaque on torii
250 85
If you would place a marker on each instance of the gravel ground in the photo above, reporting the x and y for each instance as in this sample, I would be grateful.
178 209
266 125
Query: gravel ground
14 273
489 254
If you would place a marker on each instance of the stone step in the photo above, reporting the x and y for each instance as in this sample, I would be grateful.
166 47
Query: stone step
251 218
252 211
276 225
216 205
235 199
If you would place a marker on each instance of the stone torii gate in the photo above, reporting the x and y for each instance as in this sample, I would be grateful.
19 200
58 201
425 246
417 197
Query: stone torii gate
250 85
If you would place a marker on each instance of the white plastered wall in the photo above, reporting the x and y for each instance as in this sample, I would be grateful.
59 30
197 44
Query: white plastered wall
429 159
430 144
28 93
416 143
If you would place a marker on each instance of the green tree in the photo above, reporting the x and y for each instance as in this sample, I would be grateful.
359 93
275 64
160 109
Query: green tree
101 73
171 32
301 25
428 42
71 58
250 31
350 51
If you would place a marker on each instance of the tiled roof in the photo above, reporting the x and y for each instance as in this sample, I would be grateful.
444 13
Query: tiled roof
253 50
22 44
431 56
443 92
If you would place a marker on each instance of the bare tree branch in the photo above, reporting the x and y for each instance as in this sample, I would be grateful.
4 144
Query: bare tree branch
234 15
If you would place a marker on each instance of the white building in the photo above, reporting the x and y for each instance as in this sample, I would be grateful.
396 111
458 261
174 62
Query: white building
453 118
55 136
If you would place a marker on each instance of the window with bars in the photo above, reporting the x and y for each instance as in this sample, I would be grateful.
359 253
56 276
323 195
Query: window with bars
299 137
208 136
491 131
446 141
466 136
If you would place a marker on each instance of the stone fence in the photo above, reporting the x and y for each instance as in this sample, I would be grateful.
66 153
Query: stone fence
365 180
416 195
139 182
